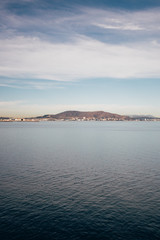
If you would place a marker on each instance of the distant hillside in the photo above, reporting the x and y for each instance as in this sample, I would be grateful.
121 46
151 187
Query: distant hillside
87 115
3 118
142 117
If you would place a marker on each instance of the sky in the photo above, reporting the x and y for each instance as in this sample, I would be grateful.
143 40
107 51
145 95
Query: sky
87 55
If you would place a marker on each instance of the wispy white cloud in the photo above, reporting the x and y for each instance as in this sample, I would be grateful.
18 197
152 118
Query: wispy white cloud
35 46
130 27
146 20
23 57
30 84
51 22
10 85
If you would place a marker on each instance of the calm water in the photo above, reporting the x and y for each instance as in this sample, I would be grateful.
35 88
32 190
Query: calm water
80 180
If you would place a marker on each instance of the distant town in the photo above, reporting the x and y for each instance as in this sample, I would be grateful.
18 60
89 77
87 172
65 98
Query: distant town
82 116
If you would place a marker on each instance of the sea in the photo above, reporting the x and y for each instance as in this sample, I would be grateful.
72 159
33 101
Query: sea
80 180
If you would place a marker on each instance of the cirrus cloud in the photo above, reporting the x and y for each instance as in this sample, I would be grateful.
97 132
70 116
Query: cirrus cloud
63 47
23 57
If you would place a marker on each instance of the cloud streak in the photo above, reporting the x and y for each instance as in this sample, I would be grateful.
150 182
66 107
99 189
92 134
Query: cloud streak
52 46
23 57
123 27
51 22
31 84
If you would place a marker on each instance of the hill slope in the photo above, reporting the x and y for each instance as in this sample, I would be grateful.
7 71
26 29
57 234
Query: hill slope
87 115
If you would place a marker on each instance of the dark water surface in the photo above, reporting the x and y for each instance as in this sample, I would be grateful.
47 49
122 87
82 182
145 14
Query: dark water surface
80 180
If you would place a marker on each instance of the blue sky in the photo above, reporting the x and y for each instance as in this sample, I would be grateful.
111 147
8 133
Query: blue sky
79 55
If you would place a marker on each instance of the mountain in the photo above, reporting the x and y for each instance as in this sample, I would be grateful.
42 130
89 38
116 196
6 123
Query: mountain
85 115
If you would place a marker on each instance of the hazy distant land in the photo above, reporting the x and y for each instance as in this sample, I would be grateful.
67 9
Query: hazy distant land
83 116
